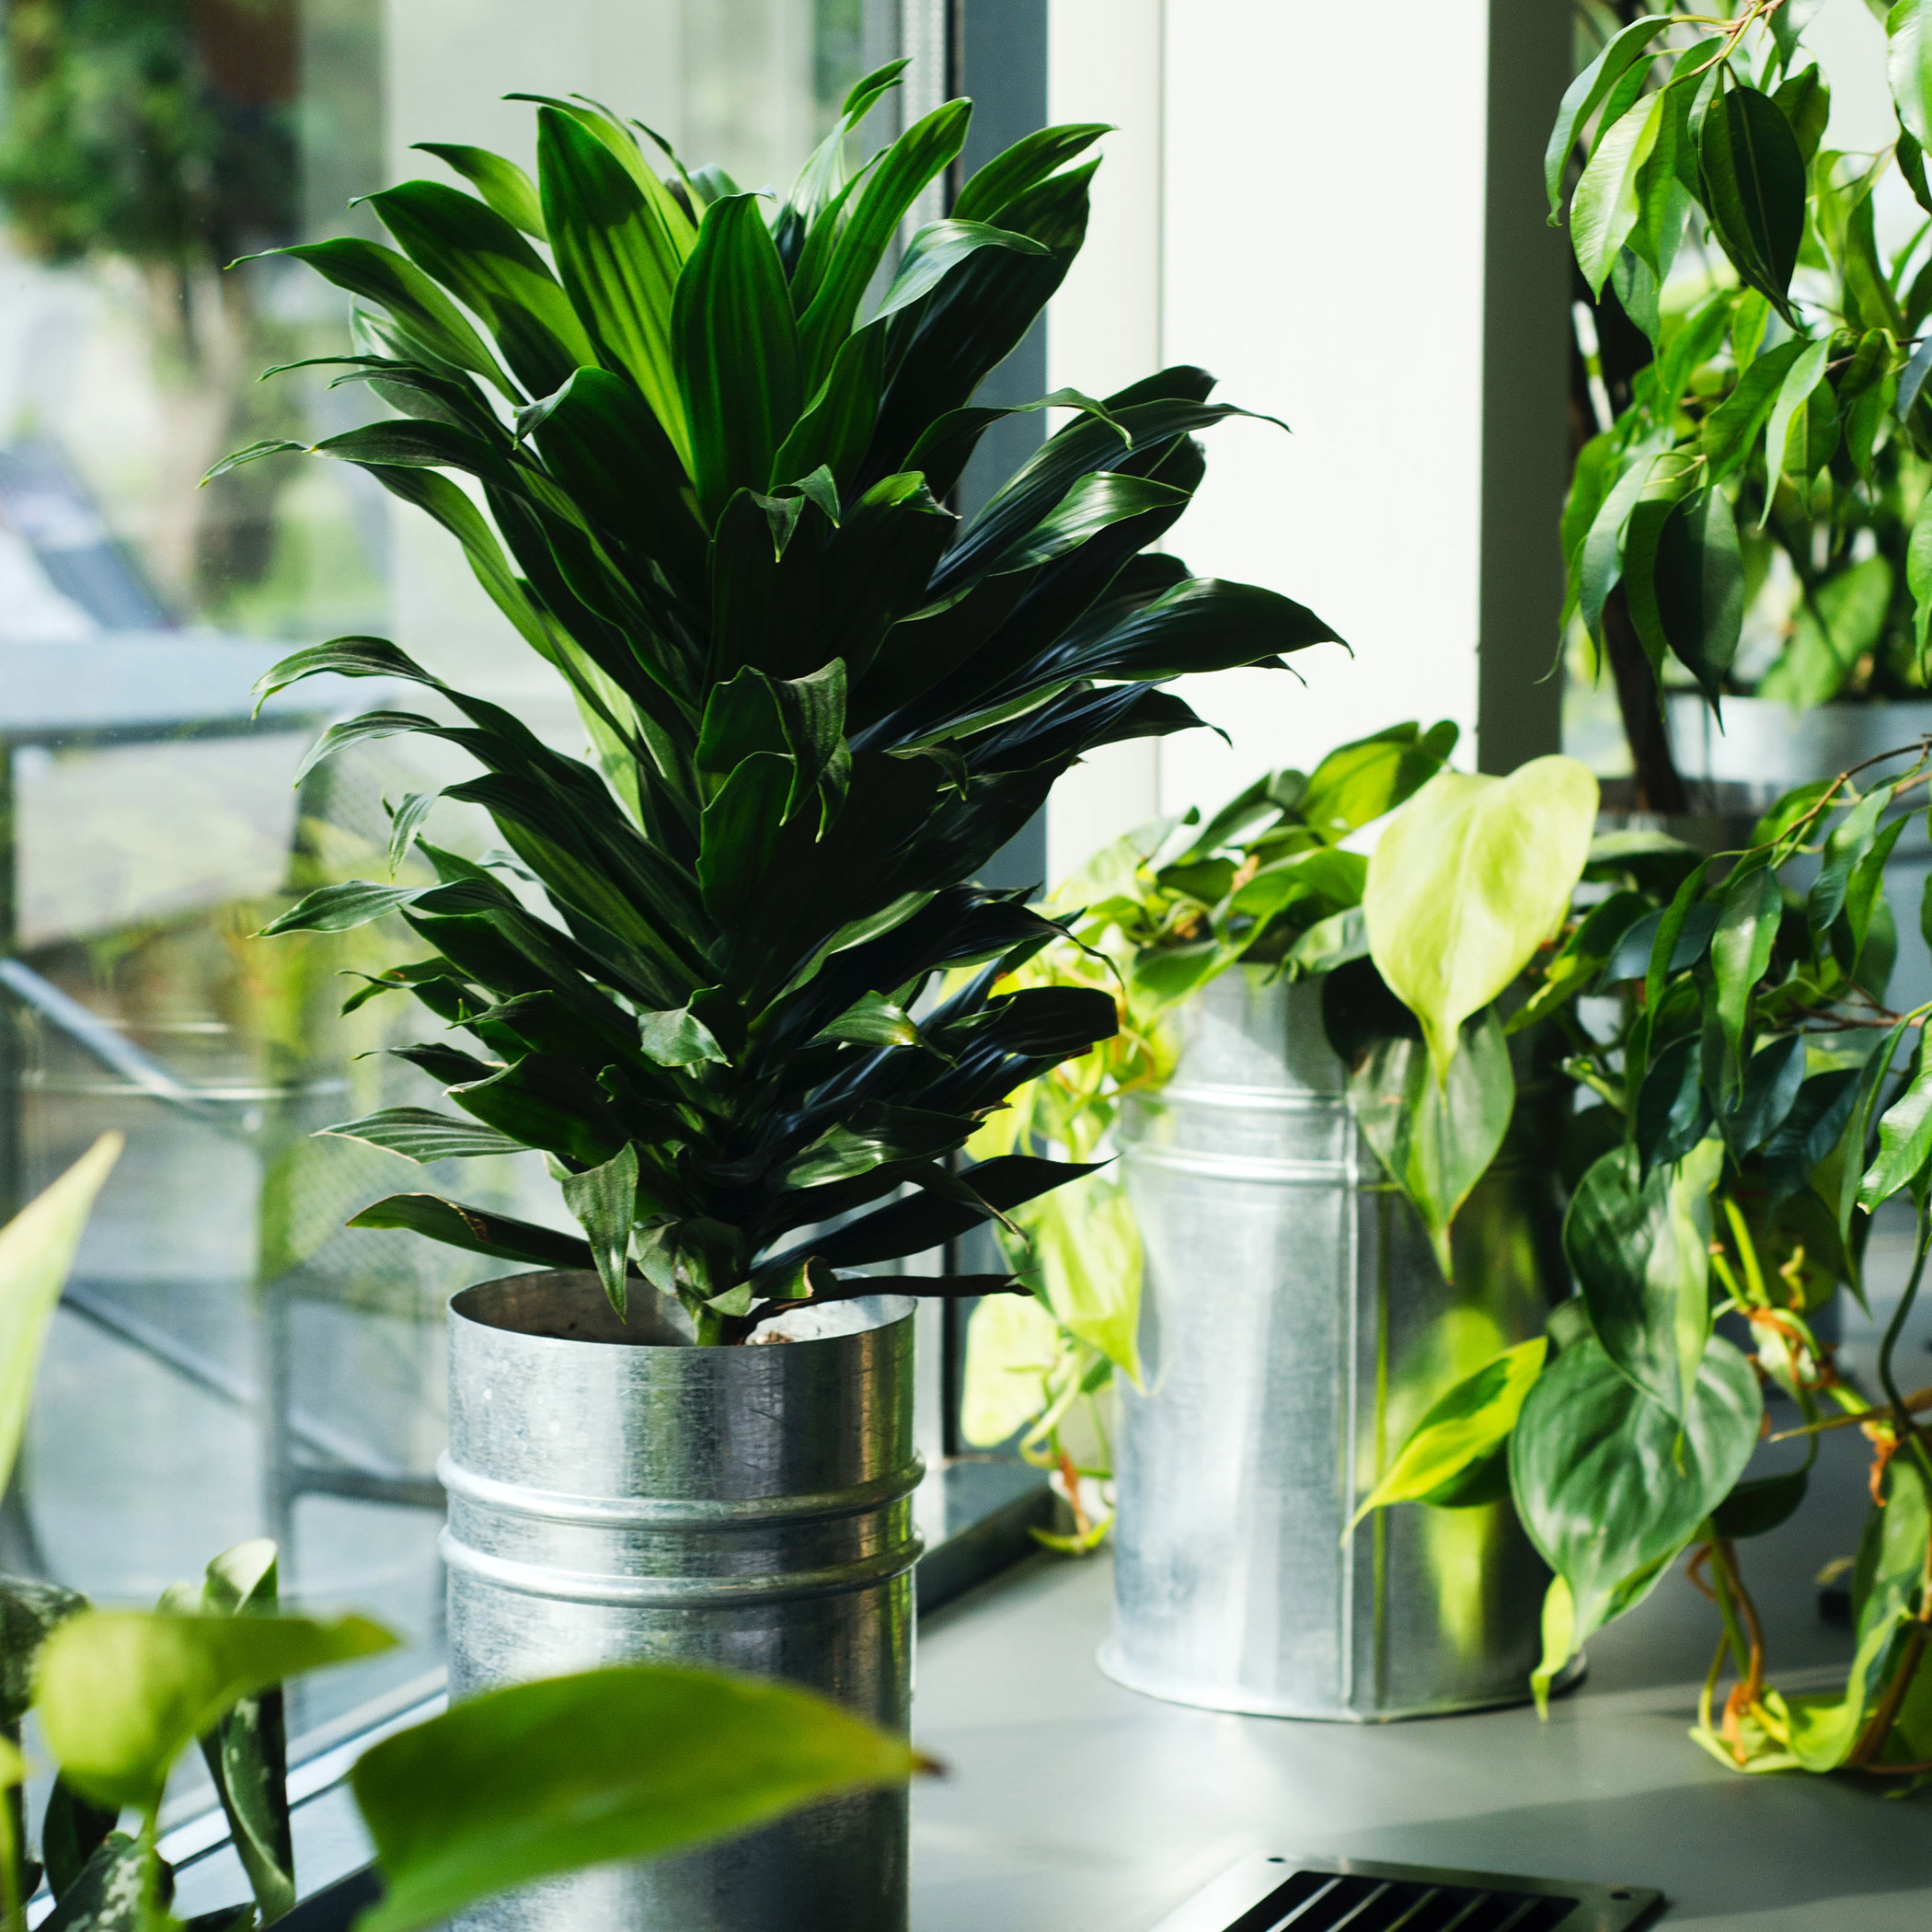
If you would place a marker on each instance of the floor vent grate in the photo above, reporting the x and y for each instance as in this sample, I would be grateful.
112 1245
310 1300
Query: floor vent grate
1356 1895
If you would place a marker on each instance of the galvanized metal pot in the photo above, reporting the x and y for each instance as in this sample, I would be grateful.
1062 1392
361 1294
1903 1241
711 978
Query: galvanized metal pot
618 1495
1295 1327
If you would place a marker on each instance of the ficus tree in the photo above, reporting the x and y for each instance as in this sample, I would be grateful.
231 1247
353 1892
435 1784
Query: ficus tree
1762 443
717 487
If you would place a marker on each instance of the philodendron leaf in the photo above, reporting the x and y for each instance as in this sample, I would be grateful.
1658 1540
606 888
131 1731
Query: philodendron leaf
604 1200
1610 1486
1435 1138
1640 1251
1885 1583
1468 879
36 1251
634 1761
1467 1427
122 1693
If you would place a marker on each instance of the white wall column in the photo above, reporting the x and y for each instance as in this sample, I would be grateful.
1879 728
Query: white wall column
1328 205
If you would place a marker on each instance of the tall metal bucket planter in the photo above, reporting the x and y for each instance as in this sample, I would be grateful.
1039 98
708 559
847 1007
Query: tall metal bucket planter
1294 1328
617 1495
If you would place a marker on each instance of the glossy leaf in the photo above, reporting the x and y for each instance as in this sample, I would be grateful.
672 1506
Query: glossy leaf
1436 1137
1467 881
501 183
37 1248
1587 92
620 249
1610 1485
737 352
634 1762
1607 204
1641 1252
604 1200
1754 180
1908 66
420 1134
122 1693
1462 1429
246 1752
1741 946
478 1230
1685 578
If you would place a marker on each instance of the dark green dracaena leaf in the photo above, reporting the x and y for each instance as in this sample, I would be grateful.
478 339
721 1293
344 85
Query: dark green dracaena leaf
815 710
736 353
501 183
620 249
481 259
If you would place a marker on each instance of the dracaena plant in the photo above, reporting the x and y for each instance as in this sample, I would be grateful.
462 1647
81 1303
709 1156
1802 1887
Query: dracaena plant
818 701
1414 949
1752 1116
525 1783
1768 406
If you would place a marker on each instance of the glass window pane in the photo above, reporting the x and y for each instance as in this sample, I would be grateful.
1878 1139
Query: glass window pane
229 1361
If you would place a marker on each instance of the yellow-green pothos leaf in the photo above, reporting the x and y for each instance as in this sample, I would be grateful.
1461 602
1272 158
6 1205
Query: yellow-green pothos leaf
1465 1427
122 1693
36 1251
1013 1346
1468 879
1086 1245
634 1762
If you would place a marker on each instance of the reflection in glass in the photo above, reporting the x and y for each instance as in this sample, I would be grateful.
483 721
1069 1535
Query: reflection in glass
229 1361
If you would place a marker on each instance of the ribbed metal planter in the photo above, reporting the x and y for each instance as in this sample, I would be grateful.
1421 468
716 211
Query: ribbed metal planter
1295 1327
617 1495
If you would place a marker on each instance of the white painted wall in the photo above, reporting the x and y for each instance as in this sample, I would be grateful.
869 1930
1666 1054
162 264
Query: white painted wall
1318 231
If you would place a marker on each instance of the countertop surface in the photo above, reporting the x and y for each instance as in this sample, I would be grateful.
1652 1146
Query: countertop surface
1074 1805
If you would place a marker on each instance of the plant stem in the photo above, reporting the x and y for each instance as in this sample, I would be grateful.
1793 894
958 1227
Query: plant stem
1902 1419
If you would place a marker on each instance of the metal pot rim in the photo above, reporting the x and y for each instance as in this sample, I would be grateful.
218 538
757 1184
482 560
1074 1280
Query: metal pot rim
652 1320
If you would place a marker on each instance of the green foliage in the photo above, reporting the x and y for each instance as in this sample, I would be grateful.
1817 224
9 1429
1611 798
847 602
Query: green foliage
122 1693
1778 417
818 704
542 1778
37 1249
1468 882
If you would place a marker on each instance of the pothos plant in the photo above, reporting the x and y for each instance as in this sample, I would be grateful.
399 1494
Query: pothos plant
1772 410
520 1784
1415 948
818 700
1727 1015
